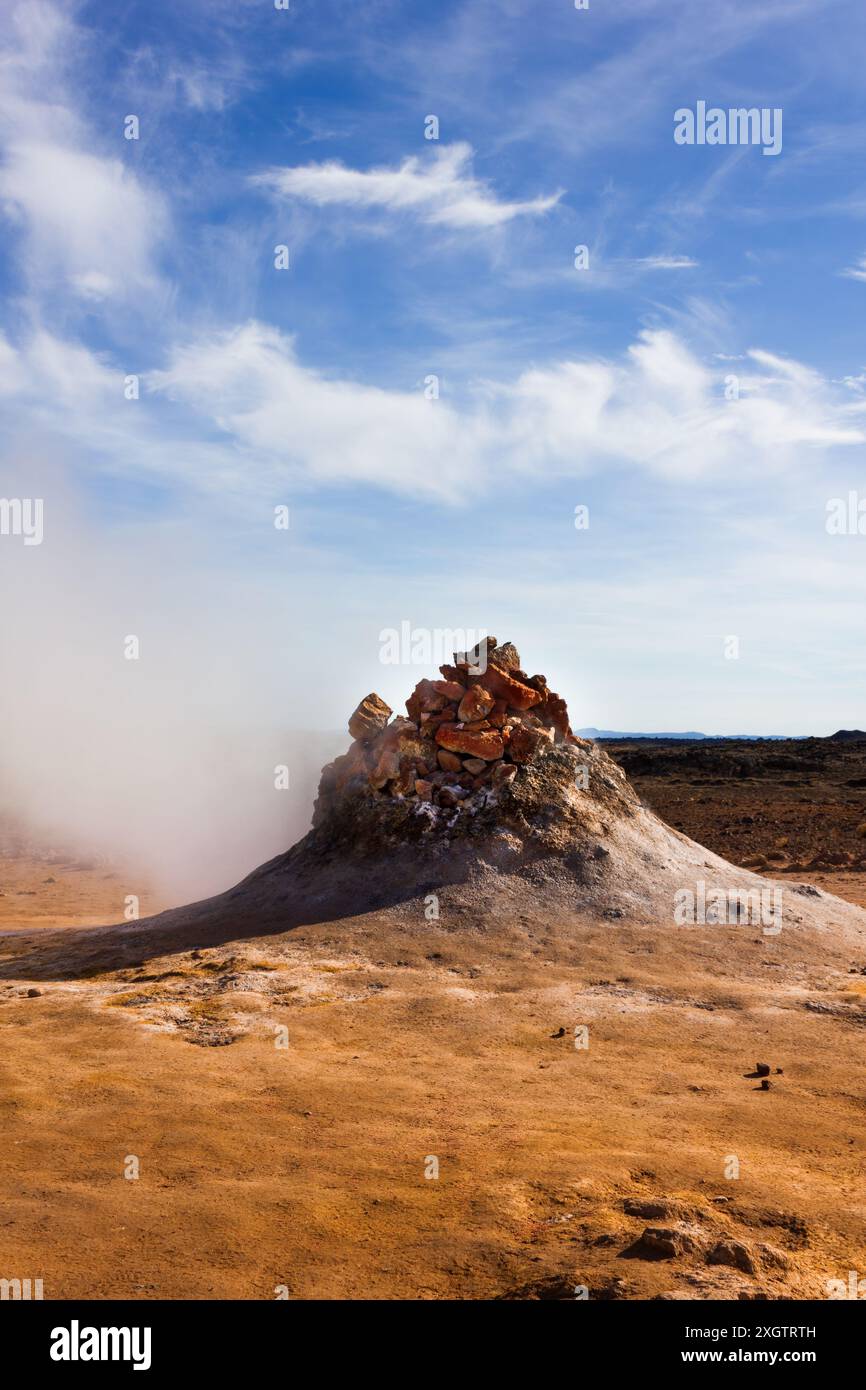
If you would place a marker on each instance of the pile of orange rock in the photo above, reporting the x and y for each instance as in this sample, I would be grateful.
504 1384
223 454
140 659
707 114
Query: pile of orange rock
468 732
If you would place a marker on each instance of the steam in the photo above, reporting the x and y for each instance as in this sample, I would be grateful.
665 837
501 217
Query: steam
165 764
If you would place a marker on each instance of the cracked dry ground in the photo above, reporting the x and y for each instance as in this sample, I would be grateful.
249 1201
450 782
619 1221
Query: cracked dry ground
304 1165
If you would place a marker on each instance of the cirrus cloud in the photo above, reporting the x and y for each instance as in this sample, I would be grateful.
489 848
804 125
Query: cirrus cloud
442 191
856 272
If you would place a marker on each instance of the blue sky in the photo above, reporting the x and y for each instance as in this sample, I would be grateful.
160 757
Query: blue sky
454 257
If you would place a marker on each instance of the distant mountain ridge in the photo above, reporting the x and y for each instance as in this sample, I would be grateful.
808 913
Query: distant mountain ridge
694 735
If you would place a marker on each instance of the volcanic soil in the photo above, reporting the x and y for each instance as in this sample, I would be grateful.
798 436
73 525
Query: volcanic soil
285 1096
784 807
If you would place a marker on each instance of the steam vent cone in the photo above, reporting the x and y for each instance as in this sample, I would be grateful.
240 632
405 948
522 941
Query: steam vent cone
480 791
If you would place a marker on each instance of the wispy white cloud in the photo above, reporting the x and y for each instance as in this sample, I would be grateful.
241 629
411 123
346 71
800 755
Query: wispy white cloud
659 408
202 89
667 262
617 98
857 271
321 429
248 418
85 221
441 190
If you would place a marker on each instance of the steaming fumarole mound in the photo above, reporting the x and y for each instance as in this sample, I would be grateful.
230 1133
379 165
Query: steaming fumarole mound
482 792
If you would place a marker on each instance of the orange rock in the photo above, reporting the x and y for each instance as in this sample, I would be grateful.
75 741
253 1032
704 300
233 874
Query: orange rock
455 674
529 718
476 704
498 714
487 744
449 762
397 733
425 699
452 690
555 711
503 774
505 687
369 718
429 722
509 727
506 657
474 765
524 743
477 656
424 790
